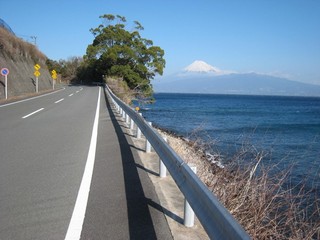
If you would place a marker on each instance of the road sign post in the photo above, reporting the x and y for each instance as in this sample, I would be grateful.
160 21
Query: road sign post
5 73
37 74
6 83
54 77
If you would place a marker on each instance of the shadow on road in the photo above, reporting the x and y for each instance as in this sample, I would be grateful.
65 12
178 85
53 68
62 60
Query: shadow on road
140 221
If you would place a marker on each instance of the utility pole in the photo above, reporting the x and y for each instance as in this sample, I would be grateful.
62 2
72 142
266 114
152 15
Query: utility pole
35 39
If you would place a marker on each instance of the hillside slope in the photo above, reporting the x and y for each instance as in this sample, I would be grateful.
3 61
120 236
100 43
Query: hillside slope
20 57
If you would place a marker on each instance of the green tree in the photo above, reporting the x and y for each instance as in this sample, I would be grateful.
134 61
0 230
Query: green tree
67 69
116 51
53 65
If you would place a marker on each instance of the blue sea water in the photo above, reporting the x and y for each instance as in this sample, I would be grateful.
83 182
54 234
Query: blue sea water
286 129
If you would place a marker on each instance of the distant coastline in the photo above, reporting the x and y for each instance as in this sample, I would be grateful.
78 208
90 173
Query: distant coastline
238 94
244 84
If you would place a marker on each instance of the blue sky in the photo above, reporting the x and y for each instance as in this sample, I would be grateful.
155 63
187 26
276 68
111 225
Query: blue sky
278 37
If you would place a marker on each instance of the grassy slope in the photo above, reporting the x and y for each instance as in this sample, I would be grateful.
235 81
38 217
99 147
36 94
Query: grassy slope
20 57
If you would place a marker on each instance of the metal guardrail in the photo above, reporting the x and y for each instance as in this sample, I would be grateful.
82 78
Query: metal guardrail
214 217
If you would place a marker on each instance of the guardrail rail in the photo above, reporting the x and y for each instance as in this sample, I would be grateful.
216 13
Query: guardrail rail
214 217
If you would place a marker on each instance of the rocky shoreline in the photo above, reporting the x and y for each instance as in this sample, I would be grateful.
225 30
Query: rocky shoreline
257 200
207 165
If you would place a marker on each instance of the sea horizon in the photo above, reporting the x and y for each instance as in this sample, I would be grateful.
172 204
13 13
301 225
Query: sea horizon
285 128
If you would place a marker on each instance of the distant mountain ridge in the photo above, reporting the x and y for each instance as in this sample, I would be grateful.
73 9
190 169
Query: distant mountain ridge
233 83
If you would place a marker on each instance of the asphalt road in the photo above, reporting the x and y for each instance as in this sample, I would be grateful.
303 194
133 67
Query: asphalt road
44 146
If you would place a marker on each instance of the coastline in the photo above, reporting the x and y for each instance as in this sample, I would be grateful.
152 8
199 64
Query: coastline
250 193
259 200
192 154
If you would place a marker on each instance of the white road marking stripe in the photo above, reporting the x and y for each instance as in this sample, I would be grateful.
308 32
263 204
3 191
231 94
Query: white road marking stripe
76 222
71 95
77 91
33 113
28 99
59 100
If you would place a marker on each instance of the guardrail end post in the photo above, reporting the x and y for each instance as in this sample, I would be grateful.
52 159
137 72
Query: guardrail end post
188 212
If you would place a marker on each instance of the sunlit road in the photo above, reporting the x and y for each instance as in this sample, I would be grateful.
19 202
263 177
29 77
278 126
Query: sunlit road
44 145
56 184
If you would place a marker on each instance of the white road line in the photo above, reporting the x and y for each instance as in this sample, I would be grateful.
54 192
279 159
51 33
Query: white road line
77 91
28 99
70 95
33 113
59 100
76 222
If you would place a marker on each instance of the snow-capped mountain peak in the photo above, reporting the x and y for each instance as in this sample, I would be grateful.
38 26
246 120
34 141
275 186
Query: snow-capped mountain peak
201 66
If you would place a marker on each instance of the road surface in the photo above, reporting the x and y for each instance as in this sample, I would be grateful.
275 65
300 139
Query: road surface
44 154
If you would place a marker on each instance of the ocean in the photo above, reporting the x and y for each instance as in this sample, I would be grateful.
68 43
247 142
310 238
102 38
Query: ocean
285 129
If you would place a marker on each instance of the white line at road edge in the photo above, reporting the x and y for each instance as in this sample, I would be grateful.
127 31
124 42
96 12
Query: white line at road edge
76 222
28 99
70 95
33 113
59 100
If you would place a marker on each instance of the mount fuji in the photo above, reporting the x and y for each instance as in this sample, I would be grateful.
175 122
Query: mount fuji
201 77
199 66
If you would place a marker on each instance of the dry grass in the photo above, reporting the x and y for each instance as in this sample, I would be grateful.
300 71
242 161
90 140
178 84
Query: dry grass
16 47
121 89
258 200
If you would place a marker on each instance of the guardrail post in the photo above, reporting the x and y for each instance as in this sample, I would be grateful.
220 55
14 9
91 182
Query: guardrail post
138 134
216 219
162 167
127 119
148 145
131 124
123 114
188 212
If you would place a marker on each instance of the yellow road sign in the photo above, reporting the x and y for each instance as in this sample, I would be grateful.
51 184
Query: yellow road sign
37 67
54 74
37 73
